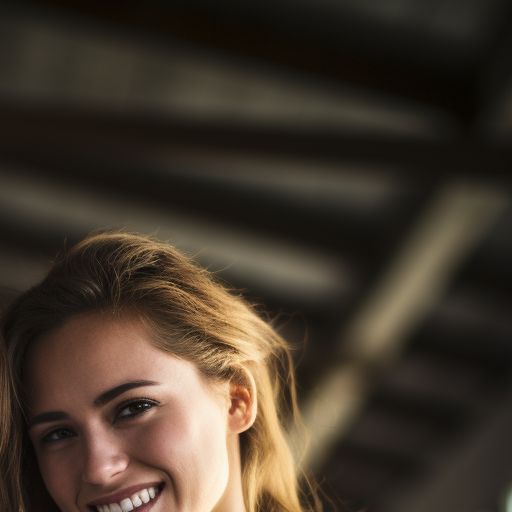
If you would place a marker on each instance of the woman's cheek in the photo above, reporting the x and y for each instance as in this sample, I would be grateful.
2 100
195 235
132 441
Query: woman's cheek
156 441
184 445
61 474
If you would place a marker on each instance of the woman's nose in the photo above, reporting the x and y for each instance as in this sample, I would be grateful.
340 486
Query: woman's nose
104 457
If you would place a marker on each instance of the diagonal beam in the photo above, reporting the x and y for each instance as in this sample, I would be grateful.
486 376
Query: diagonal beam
452 226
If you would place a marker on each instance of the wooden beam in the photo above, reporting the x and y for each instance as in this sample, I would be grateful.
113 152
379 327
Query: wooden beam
33 131
291 45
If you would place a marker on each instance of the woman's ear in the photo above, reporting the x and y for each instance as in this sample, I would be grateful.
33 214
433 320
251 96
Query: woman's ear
243 407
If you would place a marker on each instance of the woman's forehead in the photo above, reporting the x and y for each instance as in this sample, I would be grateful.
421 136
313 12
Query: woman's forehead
90 354
88 337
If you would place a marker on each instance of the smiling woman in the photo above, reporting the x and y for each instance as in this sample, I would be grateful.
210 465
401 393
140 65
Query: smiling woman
146 385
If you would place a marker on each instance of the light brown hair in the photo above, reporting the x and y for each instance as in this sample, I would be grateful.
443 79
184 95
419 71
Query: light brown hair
188 314
10 492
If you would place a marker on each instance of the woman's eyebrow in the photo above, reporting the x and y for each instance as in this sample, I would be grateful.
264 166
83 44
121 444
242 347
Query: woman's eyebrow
104 398
47 417
109 395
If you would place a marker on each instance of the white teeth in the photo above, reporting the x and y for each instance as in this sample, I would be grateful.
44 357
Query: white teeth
126 505
136 500
144 495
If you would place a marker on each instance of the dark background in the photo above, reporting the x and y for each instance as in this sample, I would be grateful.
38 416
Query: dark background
347 163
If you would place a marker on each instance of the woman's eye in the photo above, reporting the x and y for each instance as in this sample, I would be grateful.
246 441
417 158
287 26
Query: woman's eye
135 408
58 435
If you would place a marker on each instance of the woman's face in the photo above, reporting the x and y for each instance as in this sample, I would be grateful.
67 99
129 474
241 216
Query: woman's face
118 423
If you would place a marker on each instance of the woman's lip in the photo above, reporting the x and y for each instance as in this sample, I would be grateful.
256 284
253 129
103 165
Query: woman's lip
118 496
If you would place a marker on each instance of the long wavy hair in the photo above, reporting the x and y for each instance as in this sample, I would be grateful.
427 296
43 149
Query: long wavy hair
10 491
189 314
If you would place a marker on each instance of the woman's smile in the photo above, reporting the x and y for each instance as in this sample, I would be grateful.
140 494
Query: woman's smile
118 425
140 497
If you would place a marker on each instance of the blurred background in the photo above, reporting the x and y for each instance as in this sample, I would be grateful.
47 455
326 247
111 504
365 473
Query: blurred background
346 163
